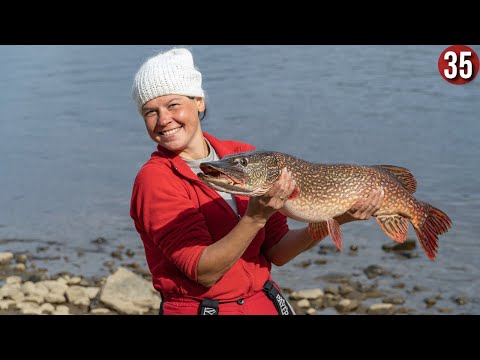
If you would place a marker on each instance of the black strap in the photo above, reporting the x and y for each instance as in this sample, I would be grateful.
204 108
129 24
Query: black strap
208 307
283 307
160 311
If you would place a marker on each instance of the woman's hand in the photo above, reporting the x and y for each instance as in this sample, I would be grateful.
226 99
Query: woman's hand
364 209
262 207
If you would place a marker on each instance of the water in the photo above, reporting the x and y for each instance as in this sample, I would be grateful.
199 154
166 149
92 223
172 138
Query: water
72 142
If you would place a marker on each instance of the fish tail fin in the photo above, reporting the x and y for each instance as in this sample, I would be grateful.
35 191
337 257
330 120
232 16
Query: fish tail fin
436 223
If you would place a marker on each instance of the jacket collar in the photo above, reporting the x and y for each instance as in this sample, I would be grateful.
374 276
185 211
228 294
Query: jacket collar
181 166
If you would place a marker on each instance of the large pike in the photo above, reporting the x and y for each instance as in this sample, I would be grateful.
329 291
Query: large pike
325 191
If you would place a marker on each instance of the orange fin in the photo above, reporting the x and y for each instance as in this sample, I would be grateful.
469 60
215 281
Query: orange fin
295 193
318 230
437 223
335 232
404 176
395 226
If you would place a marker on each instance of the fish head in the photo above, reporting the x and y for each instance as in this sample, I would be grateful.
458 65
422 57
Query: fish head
250 173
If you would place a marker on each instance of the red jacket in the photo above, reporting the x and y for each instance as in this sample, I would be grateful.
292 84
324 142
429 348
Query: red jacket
178 216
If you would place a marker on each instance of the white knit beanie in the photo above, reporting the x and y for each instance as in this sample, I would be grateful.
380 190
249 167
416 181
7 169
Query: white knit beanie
170 72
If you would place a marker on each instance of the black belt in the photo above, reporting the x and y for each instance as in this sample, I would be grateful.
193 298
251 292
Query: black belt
210 307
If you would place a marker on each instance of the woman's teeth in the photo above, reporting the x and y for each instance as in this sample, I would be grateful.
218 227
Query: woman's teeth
170 132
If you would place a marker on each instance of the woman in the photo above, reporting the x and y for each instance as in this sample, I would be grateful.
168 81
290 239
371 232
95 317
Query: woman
208 252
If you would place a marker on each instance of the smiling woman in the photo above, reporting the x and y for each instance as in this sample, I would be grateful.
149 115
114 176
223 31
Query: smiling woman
209 252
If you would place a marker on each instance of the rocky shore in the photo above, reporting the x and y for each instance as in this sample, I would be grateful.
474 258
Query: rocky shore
25 289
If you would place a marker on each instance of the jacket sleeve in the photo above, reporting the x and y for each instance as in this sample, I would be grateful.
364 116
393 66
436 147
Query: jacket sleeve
275 229
161 207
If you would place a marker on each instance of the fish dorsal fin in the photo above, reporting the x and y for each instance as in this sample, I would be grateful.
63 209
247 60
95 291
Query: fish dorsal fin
395 226
404 175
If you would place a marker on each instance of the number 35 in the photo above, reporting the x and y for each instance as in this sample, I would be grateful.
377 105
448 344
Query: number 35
465 65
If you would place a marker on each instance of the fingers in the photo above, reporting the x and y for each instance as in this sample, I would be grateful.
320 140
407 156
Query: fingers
364 209
281 190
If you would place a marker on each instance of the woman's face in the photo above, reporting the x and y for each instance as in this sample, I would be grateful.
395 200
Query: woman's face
172 121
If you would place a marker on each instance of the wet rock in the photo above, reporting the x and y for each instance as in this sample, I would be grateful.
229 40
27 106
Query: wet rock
310 311
130 253
304 264
100 311
76 280
128 293
407 254
327 249
320 261
47 308
460 300
5 258
77 295
430 301
409 244
108 264
303 303
330 300
100 241
13 280
355 295
396 300
346 305
39 275
20 267
21 259
444 310
55 298
116 254
373 271
331 290
345 289
335 278
5 304
310 294
28 308
380 309
419 288
398 285
61 310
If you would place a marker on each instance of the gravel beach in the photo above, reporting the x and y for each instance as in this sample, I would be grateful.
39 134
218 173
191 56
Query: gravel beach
28 289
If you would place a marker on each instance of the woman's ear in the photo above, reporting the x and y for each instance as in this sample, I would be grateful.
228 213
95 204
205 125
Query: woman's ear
200 104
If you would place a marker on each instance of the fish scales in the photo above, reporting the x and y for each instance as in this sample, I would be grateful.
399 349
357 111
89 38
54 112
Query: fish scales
325 191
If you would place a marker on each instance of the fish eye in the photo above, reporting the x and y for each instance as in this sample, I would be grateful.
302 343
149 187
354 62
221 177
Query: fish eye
243 161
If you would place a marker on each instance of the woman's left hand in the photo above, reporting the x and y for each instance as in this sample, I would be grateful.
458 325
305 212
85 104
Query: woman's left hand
364 209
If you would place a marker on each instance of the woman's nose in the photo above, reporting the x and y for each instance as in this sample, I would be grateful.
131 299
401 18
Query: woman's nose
163 118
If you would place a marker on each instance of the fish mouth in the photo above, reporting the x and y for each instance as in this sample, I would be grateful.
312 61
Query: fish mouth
222 180
218 175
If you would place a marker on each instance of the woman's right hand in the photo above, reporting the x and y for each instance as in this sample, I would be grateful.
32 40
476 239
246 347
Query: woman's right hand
260 208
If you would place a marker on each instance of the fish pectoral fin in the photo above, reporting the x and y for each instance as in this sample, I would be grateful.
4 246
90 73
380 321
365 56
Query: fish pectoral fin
335 232
395 226
318 230
295 193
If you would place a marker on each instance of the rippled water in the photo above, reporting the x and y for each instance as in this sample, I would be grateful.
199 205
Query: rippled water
72 142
